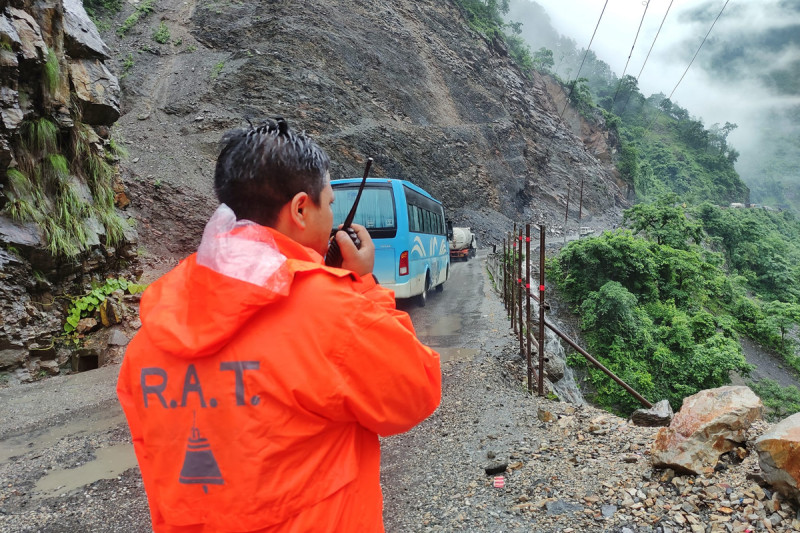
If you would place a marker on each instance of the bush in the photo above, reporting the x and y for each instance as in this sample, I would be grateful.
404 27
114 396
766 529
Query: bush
161 35
779 401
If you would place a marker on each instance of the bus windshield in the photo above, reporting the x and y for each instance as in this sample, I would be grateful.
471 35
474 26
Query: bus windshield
376 210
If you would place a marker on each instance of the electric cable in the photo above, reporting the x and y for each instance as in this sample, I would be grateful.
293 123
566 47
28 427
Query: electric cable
698 49
561 115
655 39
648 54
690 62
646 5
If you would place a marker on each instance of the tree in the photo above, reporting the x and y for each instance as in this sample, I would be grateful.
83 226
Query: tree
782 316
580 96
543 59
664 221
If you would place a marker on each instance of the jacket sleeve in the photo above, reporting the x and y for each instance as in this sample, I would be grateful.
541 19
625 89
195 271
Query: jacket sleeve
371 290
390 380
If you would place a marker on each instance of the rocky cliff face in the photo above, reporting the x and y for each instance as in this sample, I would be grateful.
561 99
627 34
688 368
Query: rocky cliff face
58 185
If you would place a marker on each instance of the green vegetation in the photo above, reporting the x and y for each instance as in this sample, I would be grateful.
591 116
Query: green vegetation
662 303
486 17
662 148
142 10
49 186
99 8
84 306
161 34
127 65
40 136
215 71
543 60
643 308
52 71
779 402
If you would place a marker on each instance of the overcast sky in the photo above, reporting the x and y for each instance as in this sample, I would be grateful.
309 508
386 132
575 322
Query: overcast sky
733 92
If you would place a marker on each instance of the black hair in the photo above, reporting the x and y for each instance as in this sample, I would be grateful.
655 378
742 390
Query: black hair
261 168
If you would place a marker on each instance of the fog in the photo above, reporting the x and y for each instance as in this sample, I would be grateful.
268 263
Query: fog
747 72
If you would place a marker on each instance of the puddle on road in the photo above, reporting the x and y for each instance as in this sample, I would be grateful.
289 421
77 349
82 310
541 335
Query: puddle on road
447 325
457 354
109 463
47 438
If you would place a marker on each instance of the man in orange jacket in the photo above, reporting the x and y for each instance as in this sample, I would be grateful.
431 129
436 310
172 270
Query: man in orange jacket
260 380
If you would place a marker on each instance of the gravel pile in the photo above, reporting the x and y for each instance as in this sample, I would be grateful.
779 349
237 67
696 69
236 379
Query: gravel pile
562 468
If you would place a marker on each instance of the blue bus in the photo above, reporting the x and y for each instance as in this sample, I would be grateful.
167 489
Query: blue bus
408 228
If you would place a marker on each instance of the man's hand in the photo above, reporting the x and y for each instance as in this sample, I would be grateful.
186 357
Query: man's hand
361 261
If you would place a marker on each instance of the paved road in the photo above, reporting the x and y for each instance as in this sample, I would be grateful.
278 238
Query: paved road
66 462
453 320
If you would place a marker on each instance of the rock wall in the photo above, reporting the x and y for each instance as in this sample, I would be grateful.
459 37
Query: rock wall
599 141
52 69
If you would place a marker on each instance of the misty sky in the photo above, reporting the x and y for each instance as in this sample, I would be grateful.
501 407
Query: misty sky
748 68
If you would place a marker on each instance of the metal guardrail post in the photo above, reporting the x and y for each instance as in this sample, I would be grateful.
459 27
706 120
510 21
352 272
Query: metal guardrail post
519 292
541 311
528 304
505 277
511 285
512 261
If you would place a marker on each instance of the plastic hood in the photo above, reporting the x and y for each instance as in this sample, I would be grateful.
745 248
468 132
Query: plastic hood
195 309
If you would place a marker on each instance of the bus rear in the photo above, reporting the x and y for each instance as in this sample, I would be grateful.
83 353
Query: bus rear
406 225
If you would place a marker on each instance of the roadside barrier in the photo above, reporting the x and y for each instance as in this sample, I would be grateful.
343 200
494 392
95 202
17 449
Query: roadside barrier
517 294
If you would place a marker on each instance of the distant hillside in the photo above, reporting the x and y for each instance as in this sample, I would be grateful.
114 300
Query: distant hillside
755 46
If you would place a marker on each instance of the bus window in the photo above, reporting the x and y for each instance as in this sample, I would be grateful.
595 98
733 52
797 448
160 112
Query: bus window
375 211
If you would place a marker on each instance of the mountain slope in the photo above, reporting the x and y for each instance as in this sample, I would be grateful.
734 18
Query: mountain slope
408 84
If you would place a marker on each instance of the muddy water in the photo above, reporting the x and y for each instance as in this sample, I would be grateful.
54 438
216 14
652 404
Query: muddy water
38 444
108 464
45 439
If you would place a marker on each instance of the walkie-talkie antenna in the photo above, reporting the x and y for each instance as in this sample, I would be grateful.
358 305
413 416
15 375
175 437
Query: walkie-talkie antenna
334 256
352 214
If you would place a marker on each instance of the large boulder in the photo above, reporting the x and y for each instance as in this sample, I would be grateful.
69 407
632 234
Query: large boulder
8 31
709 423
81 38
779 456
97 91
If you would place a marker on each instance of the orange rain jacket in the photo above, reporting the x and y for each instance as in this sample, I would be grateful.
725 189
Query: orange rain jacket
258 407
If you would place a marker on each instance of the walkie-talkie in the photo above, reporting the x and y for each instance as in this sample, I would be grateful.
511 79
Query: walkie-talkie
334 256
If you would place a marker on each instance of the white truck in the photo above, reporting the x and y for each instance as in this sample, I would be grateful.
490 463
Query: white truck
463 244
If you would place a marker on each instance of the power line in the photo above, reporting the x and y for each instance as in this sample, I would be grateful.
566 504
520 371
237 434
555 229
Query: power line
698 48
561 115
646 5
690 63
648 54
655 39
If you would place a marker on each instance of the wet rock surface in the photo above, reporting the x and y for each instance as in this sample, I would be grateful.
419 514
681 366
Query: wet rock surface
408 84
